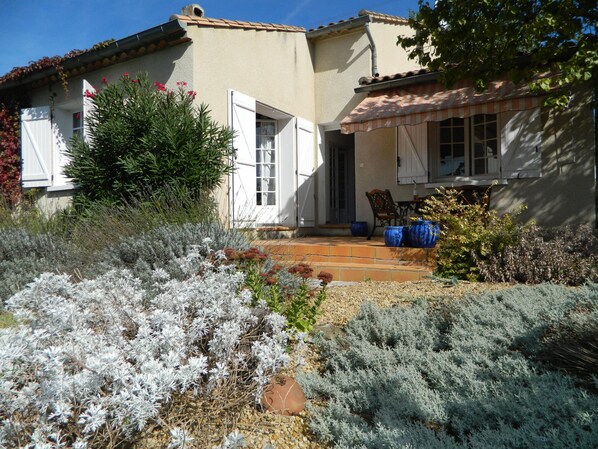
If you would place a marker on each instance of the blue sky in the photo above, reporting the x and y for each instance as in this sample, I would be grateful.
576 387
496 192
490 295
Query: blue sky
32 29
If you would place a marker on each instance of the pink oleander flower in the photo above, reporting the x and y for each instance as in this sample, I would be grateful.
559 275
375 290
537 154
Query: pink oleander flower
192 94
181 83
126 75
135 81
89 94
104 80
160 87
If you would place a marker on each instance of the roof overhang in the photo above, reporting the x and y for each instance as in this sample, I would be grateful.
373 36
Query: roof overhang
167 34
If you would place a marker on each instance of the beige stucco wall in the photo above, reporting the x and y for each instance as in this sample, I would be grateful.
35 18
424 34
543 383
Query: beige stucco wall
565 194
339 62
391 58
375 156
273 67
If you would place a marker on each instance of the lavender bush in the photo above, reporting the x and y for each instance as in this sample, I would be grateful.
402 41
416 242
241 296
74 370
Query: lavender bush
93 363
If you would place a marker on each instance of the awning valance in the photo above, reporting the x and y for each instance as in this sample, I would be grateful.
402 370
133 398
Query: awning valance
430 102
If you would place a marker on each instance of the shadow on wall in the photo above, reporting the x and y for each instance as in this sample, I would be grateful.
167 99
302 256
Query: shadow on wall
565 194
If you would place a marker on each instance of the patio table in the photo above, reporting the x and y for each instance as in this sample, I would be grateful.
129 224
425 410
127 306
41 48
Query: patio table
408 208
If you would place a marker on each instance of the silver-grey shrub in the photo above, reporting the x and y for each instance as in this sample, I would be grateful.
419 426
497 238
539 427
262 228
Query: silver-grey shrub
24 255
460 376
93 362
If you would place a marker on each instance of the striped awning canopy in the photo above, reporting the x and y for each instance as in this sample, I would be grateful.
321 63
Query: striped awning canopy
430 102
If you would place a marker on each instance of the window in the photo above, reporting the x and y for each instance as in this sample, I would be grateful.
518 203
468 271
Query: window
468 146
78 124
265 162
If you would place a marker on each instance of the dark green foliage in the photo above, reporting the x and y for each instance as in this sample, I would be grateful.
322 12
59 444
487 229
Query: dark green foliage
567 255
144 137
483 40
464 377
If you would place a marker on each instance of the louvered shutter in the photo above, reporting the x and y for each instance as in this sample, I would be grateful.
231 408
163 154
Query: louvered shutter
36 147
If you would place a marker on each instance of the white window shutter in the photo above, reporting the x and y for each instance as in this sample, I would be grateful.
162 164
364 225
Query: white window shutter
87 106
242 121
521 144
412 154
36 147
306 167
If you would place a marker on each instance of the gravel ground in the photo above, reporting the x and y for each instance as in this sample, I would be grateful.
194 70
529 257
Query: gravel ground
343 301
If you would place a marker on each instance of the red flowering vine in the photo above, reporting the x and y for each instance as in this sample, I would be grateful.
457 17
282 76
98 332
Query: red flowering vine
10 162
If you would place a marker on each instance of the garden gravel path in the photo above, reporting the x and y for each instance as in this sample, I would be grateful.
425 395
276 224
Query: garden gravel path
343 301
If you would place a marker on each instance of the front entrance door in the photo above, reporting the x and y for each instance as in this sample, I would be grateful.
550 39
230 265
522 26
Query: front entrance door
340 178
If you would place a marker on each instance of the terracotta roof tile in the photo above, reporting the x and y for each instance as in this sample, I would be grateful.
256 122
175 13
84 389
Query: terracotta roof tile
227 23
364 12
369 80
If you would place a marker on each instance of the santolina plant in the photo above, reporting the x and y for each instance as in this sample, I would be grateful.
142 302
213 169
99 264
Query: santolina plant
471 377
93 363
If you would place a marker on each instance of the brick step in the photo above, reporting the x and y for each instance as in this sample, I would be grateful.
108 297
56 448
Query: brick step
358 272
347 253
353 259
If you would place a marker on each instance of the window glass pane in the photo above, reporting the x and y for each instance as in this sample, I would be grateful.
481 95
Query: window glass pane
491 146
457 121
478 150
269 156
479 166
258 199
265 142
459 150
478 132
459 134
445 135
445 168
491 130
258 170
459 167
445 151
77 120
478 119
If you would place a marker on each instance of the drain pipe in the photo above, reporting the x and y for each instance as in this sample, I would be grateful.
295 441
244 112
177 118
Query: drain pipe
368 32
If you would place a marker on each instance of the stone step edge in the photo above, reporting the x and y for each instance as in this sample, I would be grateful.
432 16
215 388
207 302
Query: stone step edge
372 266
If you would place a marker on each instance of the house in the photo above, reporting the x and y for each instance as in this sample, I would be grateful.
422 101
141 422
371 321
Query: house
317 126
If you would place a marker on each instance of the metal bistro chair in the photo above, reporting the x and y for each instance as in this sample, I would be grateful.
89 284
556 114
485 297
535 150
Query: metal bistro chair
383 207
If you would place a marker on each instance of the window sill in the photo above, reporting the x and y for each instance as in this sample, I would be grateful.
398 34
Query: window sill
61 188
465 182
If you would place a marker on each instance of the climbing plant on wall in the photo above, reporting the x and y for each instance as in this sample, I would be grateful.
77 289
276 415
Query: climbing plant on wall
10 162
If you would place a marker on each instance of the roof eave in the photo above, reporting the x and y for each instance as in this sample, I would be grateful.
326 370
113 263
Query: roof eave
171 29
390 84
346 25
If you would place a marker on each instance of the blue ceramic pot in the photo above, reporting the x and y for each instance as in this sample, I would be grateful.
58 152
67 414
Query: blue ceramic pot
359 228
393 235
423 234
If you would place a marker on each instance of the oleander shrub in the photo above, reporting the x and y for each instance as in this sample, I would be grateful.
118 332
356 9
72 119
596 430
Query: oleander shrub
469 233
565 255
143 136
95 363
465 374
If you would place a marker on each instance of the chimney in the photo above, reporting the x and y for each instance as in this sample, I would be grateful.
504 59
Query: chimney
193 10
